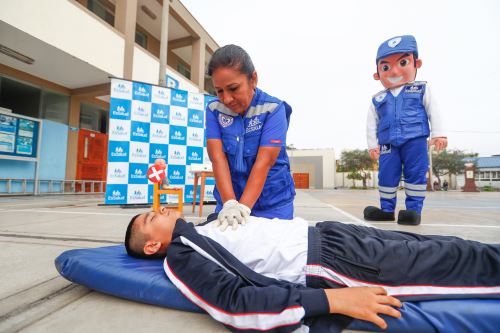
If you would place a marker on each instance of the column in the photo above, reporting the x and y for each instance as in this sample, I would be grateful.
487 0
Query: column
198 64
125 21
74 123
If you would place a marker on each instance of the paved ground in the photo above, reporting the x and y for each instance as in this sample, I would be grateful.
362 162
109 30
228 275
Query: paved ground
33 231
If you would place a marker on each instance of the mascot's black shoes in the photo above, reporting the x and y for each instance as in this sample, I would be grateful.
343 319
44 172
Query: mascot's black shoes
372 213
408 217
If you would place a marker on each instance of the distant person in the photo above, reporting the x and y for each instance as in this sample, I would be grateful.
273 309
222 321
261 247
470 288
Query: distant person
277 276
397 130
436 186
445 185
246 142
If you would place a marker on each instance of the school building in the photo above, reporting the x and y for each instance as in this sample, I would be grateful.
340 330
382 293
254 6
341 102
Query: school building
487 173
56 61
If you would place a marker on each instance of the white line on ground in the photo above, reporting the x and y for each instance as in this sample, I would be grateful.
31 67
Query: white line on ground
431 206
5 204
84 213
352 217
462 207
63 212
445 225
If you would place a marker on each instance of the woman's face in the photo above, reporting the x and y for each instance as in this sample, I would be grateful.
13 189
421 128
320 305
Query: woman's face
234 89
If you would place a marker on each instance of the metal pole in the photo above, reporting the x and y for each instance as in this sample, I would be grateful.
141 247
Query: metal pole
37 161
164 43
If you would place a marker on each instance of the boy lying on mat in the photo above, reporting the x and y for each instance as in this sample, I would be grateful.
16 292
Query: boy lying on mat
277 276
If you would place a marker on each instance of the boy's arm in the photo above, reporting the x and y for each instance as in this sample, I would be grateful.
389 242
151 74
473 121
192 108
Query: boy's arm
363 303
233 300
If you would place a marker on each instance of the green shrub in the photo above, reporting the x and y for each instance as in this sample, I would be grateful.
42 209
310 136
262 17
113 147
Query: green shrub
487 188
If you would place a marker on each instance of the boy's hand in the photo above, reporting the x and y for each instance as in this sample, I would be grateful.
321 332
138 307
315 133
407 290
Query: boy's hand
439 143
375 153
363 303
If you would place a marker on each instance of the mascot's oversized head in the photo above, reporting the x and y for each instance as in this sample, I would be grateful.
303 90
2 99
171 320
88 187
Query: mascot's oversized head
397 61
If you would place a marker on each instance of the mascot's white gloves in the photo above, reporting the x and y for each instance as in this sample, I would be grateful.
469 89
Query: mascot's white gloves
232 214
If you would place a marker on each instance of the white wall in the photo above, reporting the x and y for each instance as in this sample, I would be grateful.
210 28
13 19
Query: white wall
328 163
146 68
184 83
64 25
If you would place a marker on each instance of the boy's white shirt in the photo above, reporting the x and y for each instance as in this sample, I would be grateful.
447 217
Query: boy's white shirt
275 248
433 113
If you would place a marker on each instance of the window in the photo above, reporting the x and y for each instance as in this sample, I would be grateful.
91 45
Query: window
489 175
55 107
20 97
141 38
93 118
102 10
32 101
184 70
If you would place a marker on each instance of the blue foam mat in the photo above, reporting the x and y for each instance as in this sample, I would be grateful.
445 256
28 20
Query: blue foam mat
110 270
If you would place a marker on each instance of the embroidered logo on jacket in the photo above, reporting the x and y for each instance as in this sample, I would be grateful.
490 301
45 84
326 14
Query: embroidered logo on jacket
385 149
413 89
253 125
225 120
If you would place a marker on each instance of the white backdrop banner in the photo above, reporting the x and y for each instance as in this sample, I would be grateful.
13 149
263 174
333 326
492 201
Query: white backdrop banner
147 122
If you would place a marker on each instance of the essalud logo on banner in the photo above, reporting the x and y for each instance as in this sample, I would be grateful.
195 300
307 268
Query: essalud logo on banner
117 173
121 89
138 174
137 195
158 153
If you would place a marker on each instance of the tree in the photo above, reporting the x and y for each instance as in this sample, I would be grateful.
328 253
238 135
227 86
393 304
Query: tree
449 162
358 164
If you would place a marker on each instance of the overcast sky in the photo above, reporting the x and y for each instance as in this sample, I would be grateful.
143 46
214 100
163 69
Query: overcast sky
319 56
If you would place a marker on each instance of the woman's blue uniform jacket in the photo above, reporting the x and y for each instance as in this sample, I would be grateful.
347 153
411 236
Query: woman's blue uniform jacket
265 123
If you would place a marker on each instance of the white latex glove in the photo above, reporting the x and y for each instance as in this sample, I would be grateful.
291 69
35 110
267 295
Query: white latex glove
245 213
232 214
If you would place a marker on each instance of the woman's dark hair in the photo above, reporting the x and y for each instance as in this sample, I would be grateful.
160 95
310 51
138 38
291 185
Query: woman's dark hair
231 56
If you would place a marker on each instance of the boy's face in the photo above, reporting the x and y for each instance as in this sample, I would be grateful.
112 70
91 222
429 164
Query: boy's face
397 69
158 226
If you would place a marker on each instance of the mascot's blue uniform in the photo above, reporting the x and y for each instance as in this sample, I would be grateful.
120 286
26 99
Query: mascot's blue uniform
402 133
265 123
399 123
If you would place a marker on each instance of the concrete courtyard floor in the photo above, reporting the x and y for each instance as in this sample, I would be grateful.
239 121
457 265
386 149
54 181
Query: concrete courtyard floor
35 230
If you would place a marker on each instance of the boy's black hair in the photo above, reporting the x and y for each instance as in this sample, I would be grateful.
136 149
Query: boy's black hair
129 234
